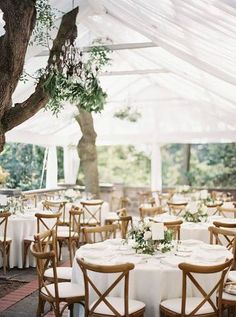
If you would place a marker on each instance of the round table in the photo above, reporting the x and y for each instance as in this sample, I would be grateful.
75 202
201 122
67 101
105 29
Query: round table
154 278
24 225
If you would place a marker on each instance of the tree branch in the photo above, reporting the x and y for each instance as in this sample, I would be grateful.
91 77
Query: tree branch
23 111
19 17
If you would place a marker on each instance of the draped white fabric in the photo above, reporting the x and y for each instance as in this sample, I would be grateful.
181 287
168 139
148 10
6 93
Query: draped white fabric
173 61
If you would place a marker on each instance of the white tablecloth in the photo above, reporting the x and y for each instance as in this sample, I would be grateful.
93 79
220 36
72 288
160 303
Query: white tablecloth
24 225
154 278
198 231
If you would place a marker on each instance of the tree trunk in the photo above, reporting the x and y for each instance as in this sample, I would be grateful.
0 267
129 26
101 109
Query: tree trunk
186 164
88 153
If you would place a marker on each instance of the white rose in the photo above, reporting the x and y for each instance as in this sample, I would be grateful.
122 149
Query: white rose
147 235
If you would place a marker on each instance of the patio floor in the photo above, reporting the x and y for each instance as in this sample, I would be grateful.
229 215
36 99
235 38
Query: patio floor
19 295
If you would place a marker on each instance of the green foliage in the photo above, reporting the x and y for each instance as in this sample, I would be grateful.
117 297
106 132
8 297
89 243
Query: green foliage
128 114
124 164
83 89
211 165
44 23
24 162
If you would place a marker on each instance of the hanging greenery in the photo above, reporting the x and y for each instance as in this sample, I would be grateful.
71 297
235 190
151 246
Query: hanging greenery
46 16
84 90
128 114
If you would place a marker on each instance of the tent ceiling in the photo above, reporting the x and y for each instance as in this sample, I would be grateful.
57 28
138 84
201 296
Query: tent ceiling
173 61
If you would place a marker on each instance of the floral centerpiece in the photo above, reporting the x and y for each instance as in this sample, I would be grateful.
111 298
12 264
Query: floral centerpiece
15 204
197 215
143 242
72 195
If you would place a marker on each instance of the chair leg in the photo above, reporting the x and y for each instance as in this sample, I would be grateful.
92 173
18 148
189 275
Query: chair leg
71 309
25 253
8 255
4 261
40 309
60 242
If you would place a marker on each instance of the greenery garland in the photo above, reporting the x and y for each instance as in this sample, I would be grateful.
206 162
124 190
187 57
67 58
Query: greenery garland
84 91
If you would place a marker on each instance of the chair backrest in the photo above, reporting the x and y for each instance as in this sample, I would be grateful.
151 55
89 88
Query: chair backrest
29 199
176 208
175 227
46 259
99 233
228 225
54 206
223 237
76 214
226 211
146 198
122 212
190 273
150 212
3 222
90 284
92 211
125 222
47 221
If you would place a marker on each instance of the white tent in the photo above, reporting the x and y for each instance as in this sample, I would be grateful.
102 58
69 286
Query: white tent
173 60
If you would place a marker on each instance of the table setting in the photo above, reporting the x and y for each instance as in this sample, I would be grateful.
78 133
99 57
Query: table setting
156 267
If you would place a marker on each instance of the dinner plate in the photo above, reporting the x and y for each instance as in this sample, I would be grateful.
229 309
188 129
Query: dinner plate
213 247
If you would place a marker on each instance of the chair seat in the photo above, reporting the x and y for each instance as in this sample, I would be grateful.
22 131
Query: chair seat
7 239
191 303
64 273
232 276
118 304
228 297
65 290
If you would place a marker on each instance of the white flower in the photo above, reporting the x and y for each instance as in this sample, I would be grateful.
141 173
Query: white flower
204 209
147 235
70 193
165 228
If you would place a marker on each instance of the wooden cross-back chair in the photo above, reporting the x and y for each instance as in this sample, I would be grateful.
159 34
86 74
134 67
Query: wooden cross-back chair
125 223
44 222
71 236
146 198
29 198
205 305
119 202
176 208
99 233
175 226
106 305
150 212
45 242
224 237
92 210
221 211
55 293
5 242
229 300
123 220
56 206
